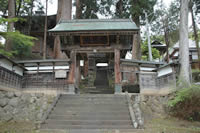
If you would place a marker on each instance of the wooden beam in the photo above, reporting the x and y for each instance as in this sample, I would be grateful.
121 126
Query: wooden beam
94 32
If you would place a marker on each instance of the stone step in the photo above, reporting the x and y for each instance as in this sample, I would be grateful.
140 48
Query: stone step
99 91
92 108
92 131
93 96
89 112
80 110
68 112
89 117
55 126
81 101
91 104
88 122
114 99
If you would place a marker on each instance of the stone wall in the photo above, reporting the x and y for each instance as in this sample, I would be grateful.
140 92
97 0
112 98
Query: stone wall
154 104
150 83
18 106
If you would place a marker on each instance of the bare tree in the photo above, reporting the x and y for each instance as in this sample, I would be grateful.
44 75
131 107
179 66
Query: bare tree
184 76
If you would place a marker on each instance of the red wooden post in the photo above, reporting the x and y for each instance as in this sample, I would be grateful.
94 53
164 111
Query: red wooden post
71 79
117 72
85 67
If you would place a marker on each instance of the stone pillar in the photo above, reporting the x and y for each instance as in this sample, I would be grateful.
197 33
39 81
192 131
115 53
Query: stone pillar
71 79
118 86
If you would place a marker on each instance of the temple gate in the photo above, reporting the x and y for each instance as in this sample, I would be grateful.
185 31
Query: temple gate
95 41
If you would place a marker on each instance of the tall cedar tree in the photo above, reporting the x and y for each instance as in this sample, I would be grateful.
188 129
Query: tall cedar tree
191 6
64 12
135 9
184 76
11 15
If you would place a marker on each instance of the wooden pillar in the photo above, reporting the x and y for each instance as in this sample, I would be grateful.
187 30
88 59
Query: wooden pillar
134 47
86 67
38 67
78 73
118 86
71 79
53 73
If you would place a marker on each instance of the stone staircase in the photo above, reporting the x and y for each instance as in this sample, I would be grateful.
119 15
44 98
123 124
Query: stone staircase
89 111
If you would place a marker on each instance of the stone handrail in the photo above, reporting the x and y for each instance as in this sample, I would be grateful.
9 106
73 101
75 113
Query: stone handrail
45 116
132 114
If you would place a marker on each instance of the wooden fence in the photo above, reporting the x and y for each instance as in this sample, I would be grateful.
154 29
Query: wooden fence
41 81
10 79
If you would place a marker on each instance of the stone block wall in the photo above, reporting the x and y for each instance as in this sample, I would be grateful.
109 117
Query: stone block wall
154 104
150 83
18 106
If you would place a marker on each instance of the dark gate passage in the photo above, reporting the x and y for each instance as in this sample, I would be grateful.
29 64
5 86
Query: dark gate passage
101 77
102 82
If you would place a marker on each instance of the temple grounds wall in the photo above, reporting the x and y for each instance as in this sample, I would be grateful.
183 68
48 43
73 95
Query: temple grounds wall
18 106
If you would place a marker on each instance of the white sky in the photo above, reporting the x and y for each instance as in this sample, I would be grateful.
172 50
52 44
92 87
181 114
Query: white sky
53 6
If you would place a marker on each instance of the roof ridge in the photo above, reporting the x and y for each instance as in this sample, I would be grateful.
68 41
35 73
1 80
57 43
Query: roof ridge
94 20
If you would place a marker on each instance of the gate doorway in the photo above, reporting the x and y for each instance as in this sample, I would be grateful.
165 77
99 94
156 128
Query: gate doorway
97 74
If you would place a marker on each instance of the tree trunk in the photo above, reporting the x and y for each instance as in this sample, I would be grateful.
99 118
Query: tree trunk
137 53
119 8
78 9
30 18
66 9
18 8
63 12
45 33
11 14
134 47
195 36
166 32
184 76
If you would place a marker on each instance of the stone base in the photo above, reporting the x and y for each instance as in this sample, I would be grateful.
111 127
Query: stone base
118 88
165 91
71 89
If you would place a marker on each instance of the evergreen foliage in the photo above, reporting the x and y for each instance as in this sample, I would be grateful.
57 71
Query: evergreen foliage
167 21
21 44
196 75
186 103
145 55
23 7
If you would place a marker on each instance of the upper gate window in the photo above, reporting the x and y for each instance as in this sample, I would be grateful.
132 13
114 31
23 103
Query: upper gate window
94 40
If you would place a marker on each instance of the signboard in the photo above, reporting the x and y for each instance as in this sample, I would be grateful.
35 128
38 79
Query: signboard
164 71
61 74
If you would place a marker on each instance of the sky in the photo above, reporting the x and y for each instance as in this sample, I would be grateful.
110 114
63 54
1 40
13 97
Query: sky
52 6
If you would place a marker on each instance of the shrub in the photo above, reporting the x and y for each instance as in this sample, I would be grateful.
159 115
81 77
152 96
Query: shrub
131 88
196 75
186 103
